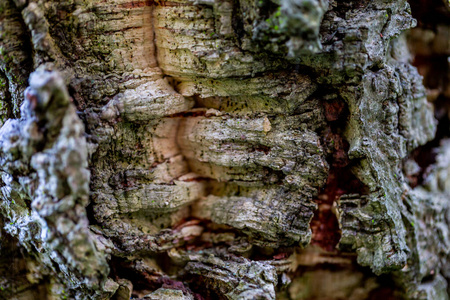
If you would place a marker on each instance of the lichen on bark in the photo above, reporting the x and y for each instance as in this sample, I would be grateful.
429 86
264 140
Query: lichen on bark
185 149
46 185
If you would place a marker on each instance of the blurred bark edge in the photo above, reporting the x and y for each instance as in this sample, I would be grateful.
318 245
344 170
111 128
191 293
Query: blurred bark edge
225 149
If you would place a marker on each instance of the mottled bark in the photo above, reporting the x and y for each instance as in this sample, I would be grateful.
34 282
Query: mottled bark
237 149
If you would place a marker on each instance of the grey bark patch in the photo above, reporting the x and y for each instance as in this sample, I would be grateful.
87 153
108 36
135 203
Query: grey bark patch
201 134
44 161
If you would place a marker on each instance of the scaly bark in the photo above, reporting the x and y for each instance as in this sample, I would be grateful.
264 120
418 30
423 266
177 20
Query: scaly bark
221 149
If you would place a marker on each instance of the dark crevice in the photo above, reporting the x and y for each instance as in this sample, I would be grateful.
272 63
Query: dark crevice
190 113
142 279
90 214
341 180
237 22
377 66
27 67
266 254
266 8
325 226
429 278
343 7
203 287
4 84
387 289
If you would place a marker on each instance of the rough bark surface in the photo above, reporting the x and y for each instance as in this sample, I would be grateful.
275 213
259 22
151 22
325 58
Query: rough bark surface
237 149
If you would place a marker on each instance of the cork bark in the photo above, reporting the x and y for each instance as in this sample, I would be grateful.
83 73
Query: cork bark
237 149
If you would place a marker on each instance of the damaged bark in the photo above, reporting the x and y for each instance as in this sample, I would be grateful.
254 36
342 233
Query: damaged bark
224 149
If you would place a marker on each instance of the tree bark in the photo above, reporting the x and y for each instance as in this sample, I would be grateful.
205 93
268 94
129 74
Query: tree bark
237 149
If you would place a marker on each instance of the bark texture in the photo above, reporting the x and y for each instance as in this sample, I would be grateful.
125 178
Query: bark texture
237 149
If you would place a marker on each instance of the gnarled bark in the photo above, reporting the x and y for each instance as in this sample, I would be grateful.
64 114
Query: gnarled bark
224 149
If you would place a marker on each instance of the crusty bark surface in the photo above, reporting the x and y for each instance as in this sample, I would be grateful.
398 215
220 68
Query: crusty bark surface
272 149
